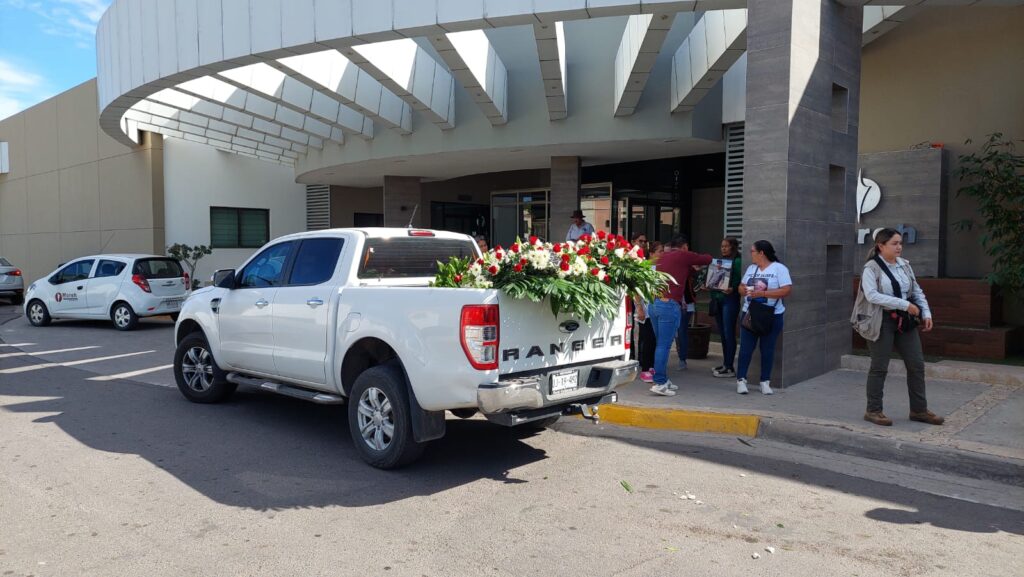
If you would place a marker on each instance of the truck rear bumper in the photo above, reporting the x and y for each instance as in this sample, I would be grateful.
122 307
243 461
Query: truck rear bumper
534 392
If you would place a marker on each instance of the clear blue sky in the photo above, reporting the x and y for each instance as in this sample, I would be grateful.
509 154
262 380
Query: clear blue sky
46 47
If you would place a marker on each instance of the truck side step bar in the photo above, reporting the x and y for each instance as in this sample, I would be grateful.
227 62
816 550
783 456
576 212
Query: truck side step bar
287 390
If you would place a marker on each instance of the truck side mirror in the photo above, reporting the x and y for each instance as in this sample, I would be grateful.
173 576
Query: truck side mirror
224 278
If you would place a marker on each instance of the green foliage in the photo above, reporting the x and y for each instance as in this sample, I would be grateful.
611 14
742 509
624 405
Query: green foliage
994 177
190 256
588 278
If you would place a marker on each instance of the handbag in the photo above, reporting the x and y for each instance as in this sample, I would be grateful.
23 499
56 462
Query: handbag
759 318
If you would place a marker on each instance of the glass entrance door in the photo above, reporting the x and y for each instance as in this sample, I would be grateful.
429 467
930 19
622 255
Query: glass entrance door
518 214
660 219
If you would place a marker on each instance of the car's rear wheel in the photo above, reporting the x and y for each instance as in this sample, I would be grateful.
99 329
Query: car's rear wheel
197 374
124 317
38 314
379 420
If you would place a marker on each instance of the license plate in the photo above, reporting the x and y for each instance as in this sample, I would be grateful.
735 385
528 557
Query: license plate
565 381
173 303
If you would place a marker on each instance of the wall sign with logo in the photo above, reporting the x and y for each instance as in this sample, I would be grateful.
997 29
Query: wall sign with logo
905 190
869 195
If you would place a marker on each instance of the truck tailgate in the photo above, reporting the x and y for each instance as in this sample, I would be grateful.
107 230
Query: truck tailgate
533 339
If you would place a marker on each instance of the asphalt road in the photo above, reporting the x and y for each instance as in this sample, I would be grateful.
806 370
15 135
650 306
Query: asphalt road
121 477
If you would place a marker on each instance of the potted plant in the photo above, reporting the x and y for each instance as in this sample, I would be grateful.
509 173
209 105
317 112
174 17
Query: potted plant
189 256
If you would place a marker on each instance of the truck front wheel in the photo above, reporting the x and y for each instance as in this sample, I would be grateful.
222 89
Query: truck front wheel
378 418
197 374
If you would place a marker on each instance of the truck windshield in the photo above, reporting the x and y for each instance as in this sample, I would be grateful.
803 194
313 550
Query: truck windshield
410 257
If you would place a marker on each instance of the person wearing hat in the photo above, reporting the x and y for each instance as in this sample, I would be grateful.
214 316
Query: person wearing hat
579 227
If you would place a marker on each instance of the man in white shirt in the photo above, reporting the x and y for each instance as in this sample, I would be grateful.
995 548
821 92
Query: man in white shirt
579 227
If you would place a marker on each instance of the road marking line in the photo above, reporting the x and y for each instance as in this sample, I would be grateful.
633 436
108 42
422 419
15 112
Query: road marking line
129 374
22 354
18 345
69 363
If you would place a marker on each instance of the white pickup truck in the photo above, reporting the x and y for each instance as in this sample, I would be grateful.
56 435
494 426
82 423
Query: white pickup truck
343 314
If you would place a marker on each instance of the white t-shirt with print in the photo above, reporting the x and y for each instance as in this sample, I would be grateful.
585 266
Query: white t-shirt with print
771 278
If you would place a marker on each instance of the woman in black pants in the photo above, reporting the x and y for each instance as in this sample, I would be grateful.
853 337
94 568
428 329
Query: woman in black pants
889 285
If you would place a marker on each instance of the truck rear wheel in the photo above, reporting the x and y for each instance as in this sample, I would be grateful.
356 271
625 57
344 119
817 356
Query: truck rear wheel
379 420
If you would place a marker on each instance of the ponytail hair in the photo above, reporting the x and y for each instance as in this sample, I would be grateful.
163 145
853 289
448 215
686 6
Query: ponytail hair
768 250
881 237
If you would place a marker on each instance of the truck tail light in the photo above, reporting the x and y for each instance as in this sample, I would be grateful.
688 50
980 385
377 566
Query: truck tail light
141 282
628 338
15 272
478 331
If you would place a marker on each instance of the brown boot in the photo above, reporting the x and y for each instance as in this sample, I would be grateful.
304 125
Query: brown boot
927 417
878 418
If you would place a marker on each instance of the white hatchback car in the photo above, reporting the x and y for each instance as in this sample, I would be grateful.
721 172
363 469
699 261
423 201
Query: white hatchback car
119 287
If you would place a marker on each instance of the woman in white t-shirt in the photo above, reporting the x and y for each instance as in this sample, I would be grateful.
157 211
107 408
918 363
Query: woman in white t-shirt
766 281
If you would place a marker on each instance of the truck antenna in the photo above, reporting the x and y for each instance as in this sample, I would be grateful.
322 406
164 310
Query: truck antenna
412 216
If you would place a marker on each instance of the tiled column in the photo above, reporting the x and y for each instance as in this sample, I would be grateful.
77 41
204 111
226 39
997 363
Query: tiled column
565 194
402 195
803 71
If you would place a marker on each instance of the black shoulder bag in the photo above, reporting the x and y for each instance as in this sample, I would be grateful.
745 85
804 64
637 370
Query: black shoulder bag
759 318
905 322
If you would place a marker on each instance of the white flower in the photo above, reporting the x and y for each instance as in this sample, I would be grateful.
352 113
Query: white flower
539 259
620 252
578 267
601 274
475 269
601 251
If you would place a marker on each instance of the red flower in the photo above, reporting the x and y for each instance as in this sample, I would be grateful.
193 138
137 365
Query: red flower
640 252
611 244
601 234
565 266
458 278
518 268
621 239
493 269
604 260
523 261
533 240
585 238
514 248
480 261
607 280
565 257
584 250
499 255
557 248
594 271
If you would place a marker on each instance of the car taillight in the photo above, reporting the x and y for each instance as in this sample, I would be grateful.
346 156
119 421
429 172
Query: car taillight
188 281
628 339
478 331
141 282
15 272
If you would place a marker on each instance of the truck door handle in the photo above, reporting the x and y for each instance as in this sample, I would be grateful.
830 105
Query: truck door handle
81 287
261 303
314 302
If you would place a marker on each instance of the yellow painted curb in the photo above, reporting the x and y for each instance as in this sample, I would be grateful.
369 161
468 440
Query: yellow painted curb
679 420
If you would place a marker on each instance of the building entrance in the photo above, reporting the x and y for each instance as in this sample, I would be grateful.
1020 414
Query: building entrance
519 214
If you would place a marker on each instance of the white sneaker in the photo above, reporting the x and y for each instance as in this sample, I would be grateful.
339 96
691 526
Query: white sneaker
663 390
672 386
741 386
766 389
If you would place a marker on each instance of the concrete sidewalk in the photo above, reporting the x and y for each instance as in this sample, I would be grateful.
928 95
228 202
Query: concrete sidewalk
983 436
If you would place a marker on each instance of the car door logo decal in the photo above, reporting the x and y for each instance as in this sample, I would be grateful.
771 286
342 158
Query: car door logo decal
65 297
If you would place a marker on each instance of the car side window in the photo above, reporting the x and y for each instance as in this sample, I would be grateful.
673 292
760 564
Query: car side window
267 269
75 271
108 268
315 261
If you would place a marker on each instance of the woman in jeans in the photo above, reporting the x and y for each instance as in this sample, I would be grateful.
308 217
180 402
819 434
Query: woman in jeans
728 308
896 330
767 281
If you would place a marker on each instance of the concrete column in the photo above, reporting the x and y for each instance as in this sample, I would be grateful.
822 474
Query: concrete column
402 195
803 97
565 194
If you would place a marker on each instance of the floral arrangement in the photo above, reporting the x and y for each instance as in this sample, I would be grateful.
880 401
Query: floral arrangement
587 277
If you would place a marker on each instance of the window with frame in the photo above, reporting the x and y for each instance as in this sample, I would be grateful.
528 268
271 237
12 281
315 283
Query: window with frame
239 227
75 271
109 268
315 261
267 269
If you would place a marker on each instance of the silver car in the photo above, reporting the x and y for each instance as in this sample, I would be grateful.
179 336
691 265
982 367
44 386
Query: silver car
12 285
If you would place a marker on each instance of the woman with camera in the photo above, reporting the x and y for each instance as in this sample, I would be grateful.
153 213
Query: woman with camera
889 308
